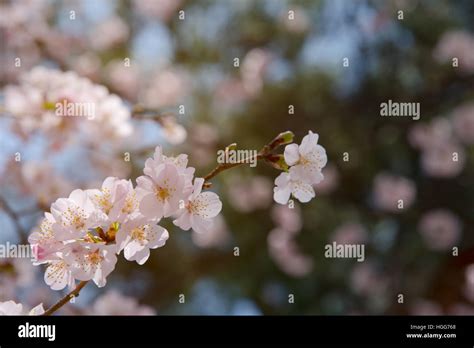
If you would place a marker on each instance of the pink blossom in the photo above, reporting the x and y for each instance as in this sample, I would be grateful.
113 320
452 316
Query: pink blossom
424 136
58 275
137 236
44 182
456 44
330 182
161 191
389 190
463 122
92 261
443 160
109 33
166 88
12 308
300 21
440 229
285 252
307 159
74 216
199 209
217 235
44 244
116 199
292 183
350 233
162 9
469 287
286 218
114 303
251 194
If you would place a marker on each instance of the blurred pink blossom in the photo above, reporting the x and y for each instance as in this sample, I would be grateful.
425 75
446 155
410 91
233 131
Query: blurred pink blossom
218 235
114 303
124 79
456 44
174 132
109 33
426 135
43 182
330 182
166 88
299 22
463 122
289 219
469 287
350 233
251 194
230 93
87 65
286 254
440 229
162 9
389 189
253 69
34 103
443 160
367 281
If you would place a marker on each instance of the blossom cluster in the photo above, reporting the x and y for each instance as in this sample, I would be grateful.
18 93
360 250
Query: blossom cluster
36 100
81 236
306 162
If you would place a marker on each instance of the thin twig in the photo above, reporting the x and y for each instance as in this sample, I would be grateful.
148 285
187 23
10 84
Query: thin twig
74 293
224 166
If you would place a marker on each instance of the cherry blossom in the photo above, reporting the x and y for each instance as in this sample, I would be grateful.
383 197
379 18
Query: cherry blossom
74 216
137 236
44 244
306 162
199 209
308 158
58 275
161 191
292 183
117 199
92 261
34 103
13 308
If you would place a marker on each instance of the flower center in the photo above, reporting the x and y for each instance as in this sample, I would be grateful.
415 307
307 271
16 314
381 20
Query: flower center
304 161
95 258
104 201
130 204
138 233
75 218
162 193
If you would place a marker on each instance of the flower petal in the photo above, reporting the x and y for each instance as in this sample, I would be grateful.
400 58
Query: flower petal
291 154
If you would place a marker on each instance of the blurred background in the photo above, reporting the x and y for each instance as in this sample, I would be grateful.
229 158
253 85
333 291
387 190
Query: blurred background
243 71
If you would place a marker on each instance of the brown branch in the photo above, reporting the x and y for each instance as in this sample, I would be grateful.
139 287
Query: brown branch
265 153
224 166
74 293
